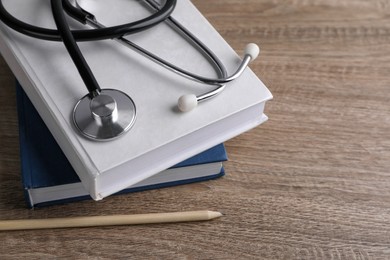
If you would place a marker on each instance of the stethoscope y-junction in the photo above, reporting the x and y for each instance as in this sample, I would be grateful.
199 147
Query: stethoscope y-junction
104 114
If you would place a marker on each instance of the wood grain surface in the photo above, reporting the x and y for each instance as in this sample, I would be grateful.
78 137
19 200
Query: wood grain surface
311 183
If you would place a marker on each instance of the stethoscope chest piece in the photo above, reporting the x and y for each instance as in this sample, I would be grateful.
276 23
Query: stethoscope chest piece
105 116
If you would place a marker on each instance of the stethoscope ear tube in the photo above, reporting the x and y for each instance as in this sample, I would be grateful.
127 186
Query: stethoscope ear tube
188 102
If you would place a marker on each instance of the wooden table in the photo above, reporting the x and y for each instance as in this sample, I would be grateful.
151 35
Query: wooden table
311 183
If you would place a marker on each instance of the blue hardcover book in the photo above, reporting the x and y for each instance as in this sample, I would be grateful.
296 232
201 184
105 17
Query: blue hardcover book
48 177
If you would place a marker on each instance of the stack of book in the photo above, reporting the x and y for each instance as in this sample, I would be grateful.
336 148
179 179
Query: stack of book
48 177
161 138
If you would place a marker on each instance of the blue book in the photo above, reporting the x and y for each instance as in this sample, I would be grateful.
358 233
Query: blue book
48 177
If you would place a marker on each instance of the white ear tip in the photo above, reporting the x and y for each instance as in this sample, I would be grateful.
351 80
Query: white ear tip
187 102
253 50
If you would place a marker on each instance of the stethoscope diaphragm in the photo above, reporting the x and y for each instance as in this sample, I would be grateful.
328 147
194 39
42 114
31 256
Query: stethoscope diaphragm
105 116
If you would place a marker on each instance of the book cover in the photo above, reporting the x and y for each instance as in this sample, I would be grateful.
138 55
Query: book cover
48 177
161 137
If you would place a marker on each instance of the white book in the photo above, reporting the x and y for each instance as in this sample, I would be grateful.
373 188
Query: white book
161 137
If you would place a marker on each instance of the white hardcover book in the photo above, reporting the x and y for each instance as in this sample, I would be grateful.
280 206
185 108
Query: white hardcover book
161 136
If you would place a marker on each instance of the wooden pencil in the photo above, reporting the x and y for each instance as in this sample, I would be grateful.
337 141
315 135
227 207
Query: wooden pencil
112 220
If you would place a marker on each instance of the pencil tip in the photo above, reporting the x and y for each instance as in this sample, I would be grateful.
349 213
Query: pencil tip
214 214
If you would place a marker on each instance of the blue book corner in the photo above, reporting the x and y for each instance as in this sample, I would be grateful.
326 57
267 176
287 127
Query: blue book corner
44 164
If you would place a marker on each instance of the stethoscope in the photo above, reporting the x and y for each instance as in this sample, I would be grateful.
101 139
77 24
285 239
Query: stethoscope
104 114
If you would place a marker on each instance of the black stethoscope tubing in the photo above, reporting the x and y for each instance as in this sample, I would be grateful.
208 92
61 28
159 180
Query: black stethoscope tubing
86 35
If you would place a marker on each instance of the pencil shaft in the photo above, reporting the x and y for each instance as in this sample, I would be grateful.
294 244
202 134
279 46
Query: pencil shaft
108 220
